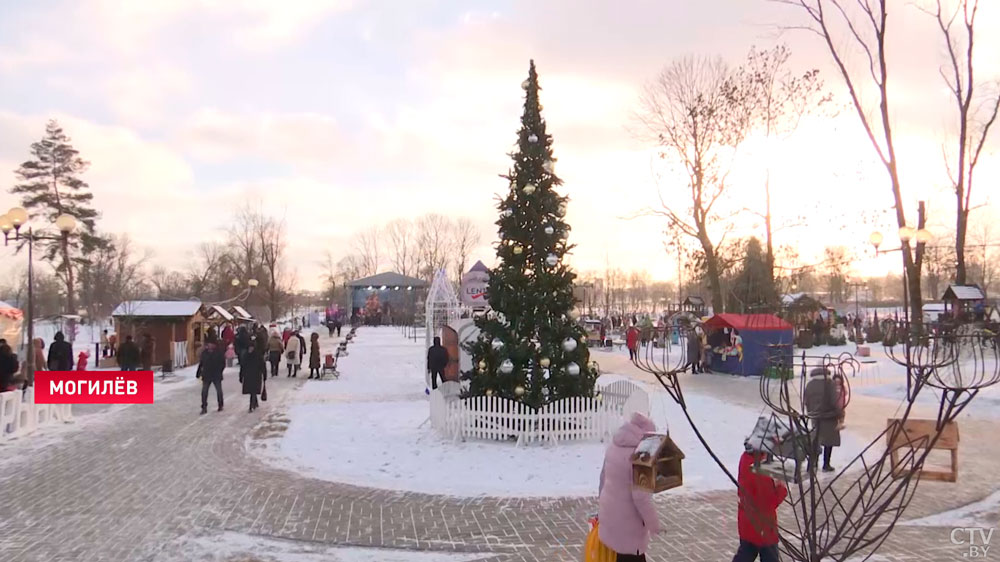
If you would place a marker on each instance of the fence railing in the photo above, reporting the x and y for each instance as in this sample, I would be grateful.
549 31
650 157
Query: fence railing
495 418
19 415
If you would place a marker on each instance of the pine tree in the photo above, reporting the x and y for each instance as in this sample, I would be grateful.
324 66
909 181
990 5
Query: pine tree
530 348
753 288
50 186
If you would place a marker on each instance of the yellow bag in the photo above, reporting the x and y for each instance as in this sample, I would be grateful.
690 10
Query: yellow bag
594 550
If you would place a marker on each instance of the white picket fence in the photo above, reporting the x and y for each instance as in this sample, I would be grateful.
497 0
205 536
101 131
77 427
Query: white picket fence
19 415
494 418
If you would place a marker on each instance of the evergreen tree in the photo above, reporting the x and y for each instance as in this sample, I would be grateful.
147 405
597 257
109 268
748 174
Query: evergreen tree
50 186
530 347
753 287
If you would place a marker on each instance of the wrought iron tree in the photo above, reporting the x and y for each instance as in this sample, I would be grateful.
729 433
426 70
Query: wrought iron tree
855 510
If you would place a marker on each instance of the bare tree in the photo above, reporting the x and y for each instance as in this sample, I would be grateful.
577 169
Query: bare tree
169 285
862 25
984 261
976 113
402 241
697 115
109 272
205 268
465 237
433 240
780 99
244 243
273 245
367 247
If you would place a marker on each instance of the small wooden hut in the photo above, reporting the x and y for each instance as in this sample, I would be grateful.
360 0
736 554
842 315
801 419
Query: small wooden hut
177 327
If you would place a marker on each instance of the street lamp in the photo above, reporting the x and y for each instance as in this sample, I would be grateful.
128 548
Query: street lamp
15 220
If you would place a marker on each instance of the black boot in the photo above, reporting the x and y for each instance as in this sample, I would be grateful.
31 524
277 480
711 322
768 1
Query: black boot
204 410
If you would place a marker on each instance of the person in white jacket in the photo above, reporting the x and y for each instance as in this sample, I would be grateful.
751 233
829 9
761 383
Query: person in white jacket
293 355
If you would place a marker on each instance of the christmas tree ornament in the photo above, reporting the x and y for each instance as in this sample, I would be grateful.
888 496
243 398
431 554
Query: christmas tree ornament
529 189
525 84
545 391
497 345
562 209
569 345
519 390
595 368
518 250
545 374
529 272
549 166
507 367
573 369
549 230
481 371
482 365
489 392
501 318
532 138
545 362
552 260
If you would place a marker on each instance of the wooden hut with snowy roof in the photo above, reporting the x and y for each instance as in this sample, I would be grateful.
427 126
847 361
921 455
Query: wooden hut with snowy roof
177 327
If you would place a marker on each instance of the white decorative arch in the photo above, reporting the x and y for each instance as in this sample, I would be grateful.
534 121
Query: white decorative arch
442 306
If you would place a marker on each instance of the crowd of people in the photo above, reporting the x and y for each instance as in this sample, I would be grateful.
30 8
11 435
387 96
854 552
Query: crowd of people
256 349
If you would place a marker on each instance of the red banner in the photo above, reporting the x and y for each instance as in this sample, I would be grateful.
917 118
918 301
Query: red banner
94 387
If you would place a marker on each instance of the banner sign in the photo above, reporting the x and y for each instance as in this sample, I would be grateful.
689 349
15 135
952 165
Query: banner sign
474 284
94 387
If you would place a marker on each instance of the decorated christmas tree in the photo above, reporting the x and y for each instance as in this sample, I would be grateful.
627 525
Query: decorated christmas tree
530 347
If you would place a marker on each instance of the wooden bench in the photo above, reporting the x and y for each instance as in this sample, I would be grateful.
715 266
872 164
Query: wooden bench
917 434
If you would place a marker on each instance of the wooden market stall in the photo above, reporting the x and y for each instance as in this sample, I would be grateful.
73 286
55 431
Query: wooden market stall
963 301
177 327
741 344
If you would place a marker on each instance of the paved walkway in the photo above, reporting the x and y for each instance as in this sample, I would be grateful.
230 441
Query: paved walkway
133 485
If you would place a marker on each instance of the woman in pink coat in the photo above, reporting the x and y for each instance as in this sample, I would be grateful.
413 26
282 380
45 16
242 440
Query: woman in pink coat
626 517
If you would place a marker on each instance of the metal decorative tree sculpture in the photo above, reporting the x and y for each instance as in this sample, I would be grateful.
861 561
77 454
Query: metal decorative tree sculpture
853 511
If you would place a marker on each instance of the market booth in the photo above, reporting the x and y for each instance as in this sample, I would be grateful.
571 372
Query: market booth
741 344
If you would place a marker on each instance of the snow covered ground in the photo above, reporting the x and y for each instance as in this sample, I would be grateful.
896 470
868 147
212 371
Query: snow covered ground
236 547
370 429
984 513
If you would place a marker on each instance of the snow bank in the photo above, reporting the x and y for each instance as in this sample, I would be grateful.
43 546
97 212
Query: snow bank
228 545
983 513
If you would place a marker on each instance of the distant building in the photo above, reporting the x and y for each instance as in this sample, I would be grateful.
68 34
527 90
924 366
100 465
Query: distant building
397 296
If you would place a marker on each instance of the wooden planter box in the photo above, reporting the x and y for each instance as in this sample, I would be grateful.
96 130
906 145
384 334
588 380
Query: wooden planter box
656 464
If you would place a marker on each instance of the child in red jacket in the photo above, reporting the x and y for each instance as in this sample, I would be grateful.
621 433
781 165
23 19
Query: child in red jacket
760 497
81 361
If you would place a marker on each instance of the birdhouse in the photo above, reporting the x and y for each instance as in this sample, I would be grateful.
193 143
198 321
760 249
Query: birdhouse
656 463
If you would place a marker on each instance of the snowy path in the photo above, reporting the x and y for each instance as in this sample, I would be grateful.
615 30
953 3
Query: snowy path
160 483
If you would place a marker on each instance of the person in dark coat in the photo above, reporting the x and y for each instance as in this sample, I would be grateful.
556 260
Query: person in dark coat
147 352
9 366
437 360
821 398
757 518
261 337
314 355
253 373
210 368
302 349
242 342
60 354
128 355
693 352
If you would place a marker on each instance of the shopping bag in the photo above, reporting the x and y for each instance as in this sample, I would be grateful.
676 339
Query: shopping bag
263 391
595 550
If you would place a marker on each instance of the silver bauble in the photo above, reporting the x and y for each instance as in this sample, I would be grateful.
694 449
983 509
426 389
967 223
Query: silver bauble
497 345
569 345
549 230
529 189
532 137
552 260
573 369
507 367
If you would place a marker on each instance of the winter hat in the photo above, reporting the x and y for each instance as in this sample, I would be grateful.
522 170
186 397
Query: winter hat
643 423
819 372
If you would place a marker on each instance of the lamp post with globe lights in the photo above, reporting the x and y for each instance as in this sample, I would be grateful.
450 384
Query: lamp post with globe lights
13 225
244 294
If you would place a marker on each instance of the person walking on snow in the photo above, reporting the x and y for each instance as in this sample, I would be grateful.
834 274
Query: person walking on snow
302 350
253 373
293 356
822 405
693 352
274 351
437 360
105 344
210 368
632 342
147 352
757 518
626 514
314 355
60 354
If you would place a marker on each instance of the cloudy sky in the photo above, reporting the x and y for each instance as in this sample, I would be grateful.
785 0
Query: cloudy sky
340 114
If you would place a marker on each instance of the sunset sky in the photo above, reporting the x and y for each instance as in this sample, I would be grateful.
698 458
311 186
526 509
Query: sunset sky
340 114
